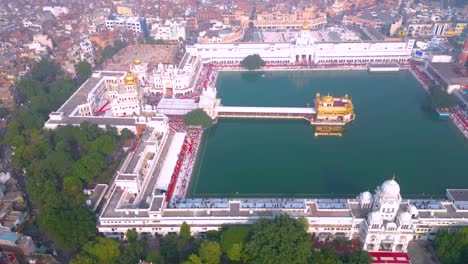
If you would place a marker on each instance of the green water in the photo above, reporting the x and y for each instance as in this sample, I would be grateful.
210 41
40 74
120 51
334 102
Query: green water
391 134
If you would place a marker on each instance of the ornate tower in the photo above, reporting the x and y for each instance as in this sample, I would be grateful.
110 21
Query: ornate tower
387 199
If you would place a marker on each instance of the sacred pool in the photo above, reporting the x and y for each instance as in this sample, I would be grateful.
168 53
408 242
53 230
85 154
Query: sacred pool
392 134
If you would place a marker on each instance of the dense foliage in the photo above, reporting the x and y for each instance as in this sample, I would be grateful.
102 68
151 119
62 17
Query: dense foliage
438 98
198 117
280 240
83 71
57 164
253 62
452 247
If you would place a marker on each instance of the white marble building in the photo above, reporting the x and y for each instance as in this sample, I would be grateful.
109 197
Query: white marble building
305 49
381 222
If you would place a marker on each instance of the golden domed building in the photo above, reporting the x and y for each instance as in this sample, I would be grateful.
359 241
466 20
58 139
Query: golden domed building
125 98
140 69
334 110
131 79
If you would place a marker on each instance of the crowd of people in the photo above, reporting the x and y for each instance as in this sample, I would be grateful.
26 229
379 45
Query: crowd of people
177 124
460 118
183 169
422 77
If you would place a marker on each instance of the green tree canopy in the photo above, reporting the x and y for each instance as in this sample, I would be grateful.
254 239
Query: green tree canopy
4 112
452 247
155 256
169 248
438 98
357 257
103 250
70 227
210 252
280 240
184 233
325 256
253 62
233 241
46 71
198 117
193 259
83 71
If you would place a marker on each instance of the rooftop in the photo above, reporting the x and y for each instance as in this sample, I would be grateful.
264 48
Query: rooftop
458 195
452 73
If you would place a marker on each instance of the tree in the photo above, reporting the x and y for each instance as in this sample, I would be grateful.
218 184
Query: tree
253 62
4 112
150 40
438 98
233 241
193 259
45 71
131 235
185 232
83 71
126 134
155 256
357 257
169 248
210 252
83 259
28 88
280 240
452 247
103 250
235 252
70 227
59 92
198 117
326 256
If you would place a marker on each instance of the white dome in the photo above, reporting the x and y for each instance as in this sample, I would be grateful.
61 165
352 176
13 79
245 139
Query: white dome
366 196
390 188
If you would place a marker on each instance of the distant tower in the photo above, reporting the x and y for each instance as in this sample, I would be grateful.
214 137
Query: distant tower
464 56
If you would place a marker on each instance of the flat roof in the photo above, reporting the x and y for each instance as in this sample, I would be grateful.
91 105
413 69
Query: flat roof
452 73
459 195
273 110
170 162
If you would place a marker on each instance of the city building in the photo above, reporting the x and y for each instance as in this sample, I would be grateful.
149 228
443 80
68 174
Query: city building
382 221
290 21
334 109
125 9
135 24
305 50
169 30
170 79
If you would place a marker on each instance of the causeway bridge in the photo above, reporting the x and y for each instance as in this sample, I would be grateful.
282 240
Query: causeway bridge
307 113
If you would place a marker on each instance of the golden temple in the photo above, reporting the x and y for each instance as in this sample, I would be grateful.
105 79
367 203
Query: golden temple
334 110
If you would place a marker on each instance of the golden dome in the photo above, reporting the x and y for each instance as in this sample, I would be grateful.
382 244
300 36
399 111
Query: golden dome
328 99
305 27
137 61
130 79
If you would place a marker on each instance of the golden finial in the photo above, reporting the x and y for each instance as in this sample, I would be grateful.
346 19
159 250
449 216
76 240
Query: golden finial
393 178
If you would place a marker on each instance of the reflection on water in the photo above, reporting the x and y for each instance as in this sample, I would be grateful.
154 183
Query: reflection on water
329 131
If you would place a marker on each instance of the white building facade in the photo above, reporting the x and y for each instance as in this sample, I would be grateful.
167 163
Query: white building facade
306 50
382 222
